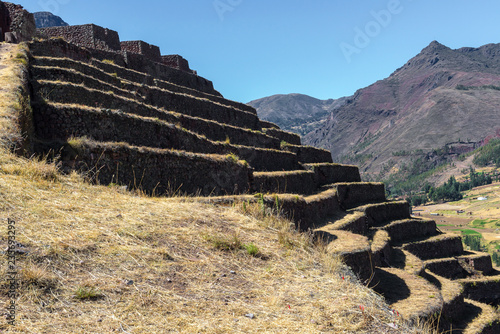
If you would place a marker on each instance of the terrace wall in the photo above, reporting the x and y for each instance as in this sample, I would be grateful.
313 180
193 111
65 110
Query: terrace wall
87 35
17 23
151 52
176 61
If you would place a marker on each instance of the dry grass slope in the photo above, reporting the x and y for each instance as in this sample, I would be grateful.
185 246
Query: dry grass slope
99 259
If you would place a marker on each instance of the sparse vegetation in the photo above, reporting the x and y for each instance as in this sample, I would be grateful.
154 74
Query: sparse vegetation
488 154
252 249
473 241
86 292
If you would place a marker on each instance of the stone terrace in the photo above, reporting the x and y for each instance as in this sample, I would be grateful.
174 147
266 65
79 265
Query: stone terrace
126 119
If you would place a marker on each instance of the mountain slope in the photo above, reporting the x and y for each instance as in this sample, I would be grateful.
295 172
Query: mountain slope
441 97
47 20
295 112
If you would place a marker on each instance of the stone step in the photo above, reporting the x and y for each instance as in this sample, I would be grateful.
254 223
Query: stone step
480 318
309 154
406 261
381 249
268 125
263 159
155 171
439 246
453 300
62 121
323 175
129 79
476 262
447 267
408 229
61 92
484 289
380 214
134 66
304 211
461 266
212 130
410 295
104 82
353 249
334 173
354 194
96 79
288 137
292 182
354 222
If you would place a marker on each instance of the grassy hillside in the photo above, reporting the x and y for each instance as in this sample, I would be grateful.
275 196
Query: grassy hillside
96 259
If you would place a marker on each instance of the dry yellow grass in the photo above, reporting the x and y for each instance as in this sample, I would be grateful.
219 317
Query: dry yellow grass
153 265
98 259
12 59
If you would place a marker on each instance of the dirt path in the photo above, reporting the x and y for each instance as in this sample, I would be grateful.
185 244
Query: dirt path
457 170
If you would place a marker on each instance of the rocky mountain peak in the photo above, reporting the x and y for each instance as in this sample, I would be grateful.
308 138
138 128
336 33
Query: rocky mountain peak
47 20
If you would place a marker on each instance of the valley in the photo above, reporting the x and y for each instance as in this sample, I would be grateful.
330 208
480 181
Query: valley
477 214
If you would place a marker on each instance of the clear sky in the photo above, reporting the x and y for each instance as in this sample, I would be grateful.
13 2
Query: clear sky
257 48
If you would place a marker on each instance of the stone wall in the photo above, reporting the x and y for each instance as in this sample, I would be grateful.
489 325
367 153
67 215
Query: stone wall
4 21
178 62
87 35
16 24
122 63
151 52
154 171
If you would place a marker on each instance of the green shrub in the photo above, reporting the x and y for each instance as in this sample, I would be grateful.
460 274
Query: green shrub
252 249
86 292
224 243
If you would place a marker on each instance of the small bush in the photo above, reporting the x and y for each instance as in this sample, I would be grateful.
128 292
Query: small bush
232 157
86 292
224 243
252 249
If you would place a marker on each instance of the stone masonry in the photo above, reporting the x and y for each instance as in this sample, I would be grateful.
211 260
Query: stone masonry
151 52
94 37
16 24
88 35
177 62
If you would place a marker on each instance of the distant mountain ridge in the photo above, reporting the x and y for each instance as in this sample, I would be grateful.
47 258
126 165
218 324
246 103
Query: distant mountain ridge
296 112
47 20
438 99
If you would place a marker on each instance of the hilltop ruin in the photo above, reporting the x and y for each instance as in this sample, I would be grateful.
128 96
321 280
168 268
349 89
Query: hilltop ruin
121 113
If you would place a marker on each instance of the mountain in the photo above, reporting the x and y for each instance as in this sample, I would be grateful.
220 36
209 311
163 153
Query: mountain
47 20
441 101
295 112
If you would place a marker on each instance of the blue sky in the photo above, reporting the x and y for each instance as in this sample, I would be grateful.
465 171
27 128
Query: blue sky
256 48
